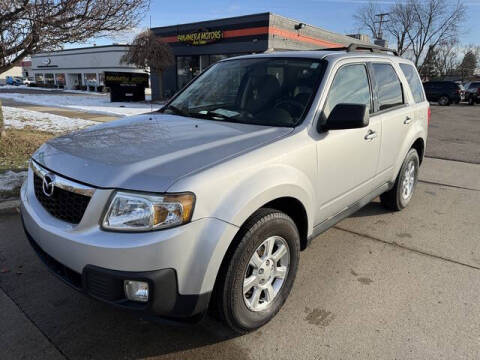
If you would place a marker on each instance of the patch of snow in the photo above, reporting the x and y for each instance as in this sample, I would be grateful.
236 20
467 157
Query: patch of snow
8 87
40 89
98 103
10 183
18 118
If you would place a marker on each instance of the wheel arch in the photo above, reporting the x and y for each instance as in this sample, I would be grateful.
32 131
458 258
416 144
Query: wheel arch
289 205
419 145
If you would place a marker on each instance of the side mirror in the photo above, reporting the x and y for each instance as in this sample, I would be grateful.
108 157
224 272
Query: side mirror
347 116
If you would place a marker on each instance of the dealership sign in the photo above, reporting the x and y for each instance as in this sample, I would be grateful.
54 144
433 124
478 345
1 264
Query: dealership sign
201 38
125 79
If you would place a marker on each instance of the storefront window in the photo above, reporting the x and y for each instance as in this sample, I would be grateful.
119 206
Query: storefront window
49 79
187 68
190 66
60 79
215 58
39 78
101 79
91 79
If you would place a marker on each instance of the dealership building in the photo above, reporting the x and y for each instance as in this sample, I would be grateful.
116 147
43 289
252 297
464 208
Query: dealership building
197 45
81 68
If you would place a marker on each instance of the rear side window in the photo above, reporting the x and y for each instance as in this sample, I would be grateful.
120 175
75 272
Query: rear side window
413 81
349 86
389 88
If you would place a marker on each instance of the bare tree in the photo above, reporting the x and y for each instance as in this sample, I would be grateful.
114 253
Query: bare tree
415 26
149 52
29 26
399 24
446 60
366 18
434 21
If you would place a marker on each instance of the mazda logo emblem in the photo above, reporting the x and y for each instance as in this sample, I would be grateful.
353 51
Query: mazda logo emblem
48 184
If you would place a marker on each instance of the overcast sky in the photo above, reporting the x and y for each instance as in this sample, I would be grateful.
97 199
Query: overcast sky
334 15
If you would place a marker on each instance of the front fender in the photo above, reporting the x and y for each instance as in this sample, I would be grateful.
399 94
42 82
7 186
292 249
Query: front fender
243 199
266 185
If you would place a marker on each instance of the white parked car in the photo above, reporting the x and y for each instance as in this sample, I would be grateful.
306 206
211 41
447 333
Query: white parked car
29 81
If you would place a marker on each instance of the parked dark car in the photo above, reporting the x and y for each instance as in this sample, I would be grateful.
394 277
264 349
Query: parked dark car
444 92
472 93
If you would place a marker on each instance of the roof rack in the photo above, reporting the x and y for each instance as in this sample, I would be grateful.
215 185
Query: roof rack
360 47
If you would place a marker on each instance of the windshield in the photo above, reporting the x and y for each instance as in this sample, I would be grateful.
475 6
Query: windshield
260 91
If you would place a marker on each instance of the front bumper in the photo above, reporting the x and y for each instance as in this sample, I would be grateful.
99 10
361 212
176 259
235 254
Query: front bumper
107 285
180 264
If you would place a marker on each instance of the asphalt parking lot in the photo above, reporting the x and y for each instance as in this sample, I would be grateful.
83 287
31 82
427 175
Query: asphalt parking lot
378 285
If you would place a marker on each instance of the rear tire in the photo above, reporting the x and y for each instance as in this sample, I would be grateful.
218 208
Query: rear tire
444 100
255 261
471 101
400 195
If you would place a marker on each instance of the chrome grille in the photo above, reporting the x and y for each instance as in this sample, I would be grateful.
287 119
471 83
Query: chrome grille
62 198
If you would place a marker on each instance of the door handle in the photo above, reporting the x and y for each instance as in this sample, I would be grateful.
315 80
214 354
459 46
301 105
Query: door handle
407 120
370 135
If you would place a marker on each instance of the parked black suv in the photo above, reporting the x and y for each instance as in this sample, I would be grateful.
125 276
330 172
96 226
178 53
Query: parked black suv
472 92
444 92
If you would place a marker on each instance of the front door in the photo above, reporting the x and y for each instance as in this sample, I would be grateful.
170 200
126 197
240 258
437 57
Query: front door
347 159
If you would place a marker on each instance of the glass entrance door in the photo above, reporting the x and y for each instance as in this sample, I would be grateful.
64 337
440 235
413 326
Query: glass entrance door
187 68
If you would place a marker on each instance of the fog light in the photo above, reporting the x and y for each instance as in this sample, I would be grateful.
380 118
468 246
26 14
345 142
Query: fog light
136 290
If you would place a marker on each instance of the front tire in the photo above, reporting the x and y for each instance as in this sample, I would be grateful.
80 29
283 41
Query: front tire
256 281
400 195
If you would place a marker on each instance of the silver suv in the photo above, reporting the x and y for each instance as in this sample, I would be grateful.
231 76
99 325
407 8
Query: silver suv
207 203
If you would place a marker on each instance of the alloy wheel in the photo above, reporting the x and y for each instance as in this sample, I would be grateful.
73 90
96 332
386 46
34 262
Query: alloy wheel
408 182
266 273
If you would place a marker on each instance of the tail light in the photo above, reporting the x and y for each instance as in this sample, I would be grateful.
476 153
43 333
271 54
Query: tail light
429 115
478 91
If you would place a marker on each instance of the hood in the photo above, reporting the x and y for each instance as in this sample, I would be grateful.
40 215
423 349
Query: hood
149 152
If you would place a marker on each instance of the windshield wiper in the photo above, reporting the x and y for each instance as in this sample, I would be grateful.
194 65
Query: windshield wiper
177 110
212 115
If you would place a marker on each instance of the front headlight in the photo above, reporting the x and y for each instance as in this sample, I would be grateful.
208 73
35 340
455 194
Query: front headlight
143 212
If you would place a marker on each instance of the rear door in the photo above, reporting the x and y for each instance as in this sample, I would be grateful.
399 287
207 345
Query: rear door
392 110
418 104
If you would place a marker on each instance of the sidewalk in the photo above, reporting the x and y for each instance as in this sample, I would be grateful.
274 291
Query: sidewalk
76 114
21 339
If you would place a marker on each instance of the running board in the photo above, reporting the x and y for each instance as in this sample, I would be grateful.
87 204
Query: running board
328 223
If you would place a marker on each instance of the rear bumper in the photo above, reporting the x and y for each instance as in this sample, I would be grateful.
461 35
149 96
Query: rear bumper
107 286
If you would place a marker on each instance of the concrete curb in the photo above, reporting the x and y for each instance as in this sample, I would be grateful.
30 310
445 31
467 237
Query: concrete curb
10 207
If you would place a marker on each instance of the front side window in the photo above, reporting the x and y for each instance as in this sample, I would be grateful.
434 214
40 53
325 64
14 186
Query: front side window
350 85
261 91
414 82
389 88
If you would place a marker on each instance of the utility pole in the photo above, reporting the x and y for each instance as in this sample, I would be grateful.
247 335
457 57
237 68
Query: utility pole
380 23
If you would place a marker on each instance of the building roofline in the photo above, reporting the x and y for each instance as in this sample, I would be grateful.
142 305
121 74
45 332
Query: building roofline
215 19
80 48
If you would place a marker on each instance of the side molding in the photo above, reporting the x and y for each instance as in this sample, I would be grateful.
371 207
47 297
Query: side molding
328 223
